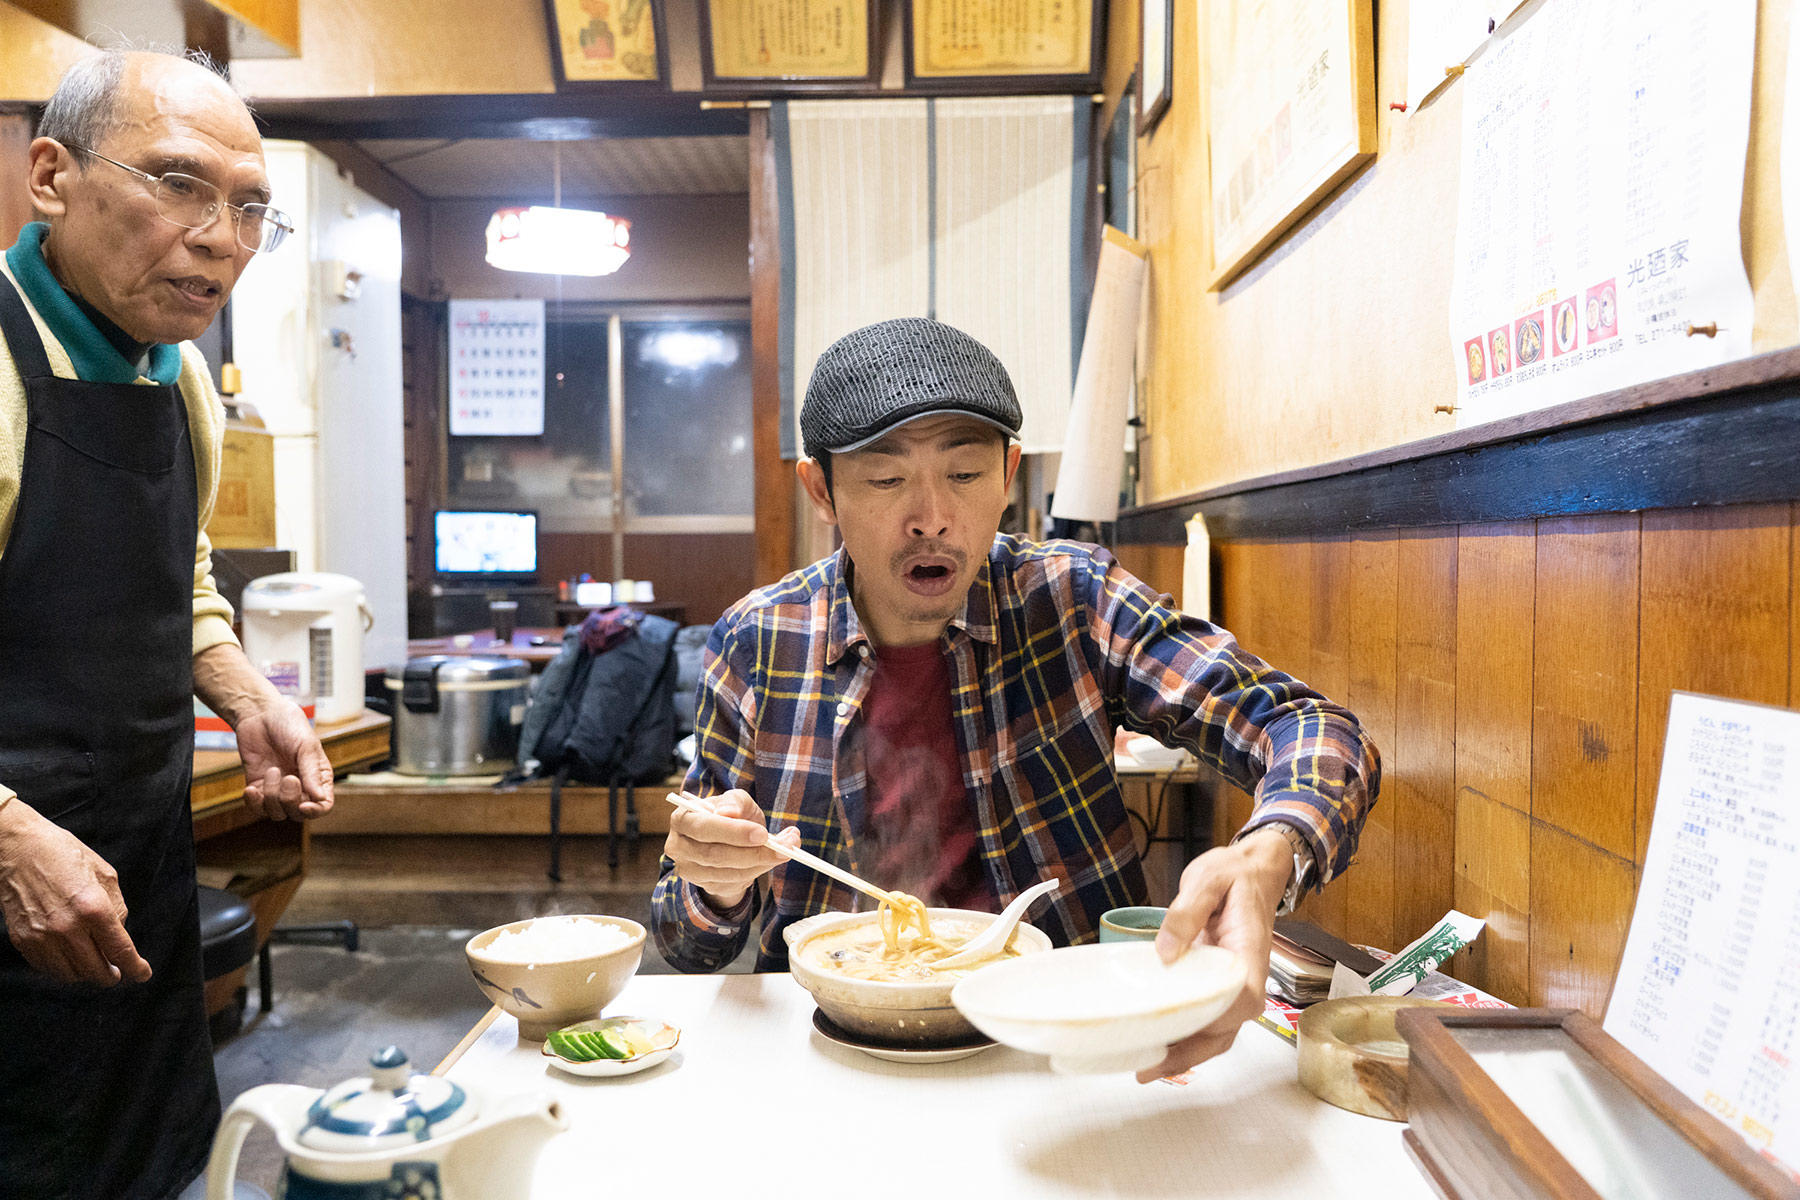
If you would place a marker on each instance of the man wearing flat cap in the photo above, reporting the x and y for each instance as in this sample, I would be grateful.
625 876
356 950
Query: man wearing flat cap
934 705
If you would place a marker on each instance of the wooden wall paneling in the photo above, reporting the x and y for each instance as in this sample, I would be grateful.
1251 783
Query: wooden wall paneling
1584 680
1419 767
1373 606
1581 900
1493 881
1495 571
1326 586
1239 569
1717 618
1158 566
705 572
775 482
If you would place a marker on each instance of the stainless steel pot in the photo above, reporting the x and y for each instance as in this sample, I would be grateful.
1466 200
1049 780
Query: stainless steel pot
457 716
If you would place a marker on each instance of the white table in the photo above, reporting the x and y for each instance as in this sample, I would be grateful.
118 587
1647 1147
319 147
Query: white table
755 1103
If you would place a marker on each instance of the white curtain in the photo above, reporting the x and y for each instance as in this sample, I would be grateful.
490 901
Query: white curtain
971 211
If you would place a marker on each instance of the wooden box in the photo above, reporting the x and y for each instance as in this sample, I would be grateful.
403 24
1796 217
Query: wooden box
244 514
1542 1104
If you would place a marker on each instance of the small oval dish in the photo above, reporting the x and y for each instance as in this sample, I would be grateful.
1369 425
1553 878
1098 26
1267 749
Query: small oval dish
610 1046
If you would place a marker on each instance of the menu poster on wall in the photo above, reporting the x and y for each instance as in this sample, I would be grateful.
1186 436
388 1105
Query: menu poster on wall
789 39
496 368
1597 241
1001 37
605 43
1708 992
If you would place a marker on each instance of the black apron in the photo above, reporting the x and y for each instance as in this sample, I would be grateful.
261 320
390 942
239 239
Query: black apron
105 1093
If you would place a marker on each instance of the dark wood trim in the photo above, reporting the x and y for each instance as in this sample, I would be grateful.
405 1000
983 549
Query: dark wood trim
565 116
778 85
1722 435
775 481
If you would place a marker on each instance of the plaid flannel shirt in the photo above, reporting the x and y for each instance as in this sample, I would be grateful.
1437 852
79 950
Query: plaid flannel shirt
1056 647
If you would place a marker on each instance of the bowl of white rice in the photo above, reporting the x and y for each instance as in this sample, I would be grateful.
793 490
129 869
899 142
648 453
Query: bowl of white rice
554 971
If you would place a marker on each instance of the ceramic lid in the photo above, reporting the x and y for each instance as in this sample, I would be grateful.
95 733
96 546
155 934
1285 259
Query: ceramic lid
388 1108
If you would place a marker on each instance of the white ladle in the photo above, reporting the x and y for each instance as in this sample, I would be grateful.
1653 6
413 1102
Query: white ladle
989 940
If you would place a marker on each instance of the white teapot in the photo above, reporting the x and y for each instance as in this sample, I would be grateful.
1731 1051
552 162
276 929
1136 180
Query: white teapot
390 1135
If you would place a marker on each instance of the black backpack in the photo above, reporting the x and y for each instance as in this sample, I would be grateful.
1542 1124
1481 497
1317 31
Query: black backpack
614 721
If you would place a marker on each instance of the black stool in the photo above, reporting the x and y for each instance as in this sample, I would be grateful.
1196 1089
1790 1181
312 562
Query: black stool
227 944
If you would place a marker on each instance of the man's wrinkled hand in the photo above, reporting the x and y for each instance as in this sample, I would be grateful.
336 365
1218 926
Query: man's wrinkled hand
1228 898
62 905
724 853
286 773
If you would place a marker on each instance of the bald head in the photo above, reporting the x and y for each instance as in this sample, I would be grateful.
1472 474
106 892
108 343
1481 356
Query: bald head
119 123
87 105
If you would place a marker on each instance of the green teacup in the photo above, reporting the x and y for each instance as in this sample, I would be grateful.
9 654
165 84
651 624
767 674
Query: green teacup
1138 924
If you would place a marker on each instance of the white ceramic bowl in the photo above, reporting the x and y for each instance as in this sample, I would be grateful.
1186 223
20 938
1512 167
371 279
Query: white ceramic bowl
911 1015
549 995
1110 1007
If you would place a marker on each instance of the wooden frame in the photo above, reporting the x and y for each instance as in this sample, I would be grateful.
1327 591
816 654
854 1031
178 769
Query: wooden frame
1296 175
659 28
1002 81
764 85
1470 1140
1153 48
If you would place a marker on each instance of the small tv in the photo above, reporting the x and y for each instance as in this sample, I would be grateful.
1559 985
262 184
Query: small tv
486 544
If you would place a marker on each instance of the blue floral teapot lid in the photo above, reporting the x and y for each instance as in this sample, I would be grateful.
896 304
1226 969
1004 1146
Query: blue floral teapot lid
389 1108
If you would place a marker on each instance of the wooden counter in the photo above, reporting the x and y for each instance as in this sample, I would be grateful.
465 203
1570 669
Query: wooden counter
261 860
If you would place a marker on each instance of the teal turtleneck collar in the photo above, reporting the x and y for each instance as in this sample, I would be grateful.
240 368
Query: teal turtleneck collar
94 356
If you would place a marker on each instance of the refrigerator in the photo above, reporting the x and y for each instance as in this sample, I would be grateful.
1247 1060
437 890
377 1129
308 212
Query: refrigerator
315 330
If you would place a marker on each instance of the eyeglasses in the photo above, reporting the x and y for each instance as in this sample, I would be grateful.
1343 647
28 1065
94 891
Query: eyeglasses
193 203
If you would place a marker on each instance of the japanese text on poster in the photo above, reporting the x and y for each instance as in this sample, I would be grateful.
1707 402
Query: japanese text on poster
1708 991
1597 240
496 368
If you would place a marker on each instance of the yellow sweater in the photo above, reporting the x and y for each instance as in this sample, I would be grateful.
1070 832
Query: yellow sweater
206 428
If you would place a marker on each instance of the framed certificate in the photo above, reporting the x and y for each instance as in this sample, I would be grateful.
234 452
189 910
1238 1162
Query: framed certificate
606 45
790 45
1004 45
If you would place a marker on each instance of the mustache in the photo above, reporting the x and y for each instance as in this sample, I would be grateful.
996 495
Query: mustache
928 547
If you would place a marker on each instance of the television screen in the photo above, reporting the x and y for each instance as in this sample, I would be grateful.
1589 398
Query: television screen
486 543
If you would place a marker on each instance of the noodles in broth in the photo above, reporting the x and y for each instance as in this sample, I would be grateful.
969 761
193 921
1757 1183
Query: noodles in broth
900 946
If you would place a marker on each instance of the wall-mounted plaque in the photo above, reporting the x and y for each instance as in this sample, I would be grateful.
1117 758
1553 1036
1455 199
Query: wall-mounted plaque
1290 113
606 42
1010 45
789 45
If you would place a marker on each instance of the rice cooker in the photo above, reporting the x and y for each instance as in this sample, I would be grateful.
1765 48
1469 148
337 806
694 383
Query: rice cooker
457 715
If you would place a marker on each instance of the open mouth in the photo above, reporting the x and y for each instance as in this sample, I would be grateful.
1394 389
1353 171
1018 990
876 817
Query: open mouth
197 287
924 571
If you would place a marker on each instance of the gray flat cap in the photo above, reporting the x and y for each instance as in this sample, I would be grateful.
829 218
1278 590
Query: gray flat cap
886 374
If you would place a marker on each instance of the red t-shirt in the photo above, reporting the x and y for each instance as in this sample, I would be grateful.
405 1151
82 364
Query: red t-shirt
920 831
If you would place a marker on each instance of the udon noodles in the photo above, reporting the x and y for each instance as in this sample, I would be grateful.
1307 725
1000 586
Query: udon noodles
900 946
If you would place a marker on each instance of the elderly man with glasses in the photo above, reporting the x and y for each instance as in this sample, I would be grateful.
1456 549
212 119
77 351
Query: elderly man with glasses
148 174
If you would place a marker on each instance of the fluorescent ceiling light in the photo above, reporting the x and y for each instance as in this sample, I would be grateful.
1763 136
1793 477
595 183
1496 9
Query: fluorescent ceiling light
557 241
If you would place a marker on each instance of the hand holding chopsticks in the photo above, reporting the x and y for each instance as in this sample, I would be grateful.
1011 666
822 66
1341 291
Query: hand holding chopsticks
694 805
